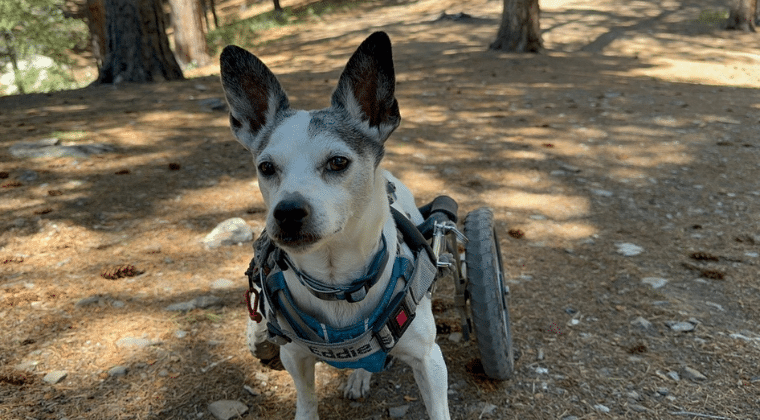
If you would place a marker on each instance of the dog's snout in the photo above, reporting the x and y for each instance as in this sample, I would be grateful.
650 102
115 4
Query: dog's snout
291 214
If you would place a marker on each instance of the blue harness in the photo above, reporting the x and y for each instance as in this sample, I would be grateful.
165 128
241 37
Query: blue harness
364 344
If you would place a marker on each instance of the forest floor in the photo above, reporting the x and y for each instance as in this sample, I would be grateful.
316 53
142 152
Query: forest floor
639 124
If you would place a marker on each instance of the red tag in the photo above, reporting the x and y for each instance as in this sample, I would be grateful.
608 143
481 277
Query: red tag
401 318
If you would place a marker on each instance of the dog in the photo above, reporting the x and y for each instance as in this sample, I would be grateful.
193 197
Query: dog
329 211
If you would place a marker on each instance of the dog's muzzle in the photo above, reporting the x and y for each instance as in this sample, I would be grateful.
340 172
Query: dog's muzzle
292 215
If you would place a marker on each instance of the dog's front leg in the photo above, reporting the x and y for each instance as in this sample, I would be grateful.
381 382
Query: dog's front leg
431 377
418 349
300 366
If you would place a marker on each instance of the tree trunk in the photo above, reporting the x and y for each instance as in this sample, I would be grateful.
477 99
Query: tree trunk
207 5
519 30
742 15
9 44
277 7
189 38
96 20
137 48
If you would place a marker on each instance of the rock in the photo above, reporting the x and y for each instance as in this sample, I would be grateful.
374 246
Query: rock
27 366
227 409
213 104
602 193
135 342
638 408
655 282
206 301
716 306
223 284
681 326
28 176
487 409
641 322
745 337
180 333
602 408
229 232
628 249
52 148
117 371
693 374
90 300
456 17
199 302
252 392
455 337
663 391
674 375
55 376
182 306
398 412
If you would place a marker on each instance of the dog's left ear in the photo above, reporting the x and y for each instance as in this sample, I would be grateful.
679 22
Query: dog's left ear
366 88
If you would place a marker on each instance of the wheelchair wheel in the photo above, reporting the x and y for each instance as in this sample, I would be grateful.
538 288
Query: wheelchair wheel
488 295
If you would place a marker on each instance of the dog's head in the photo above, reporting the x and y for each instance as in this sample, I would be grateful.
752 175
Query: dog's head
316 169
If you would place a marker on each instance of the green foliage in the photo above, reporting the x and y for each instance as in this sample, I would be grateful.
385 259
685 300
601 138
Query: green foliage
712 16
74 135
39 27
244 32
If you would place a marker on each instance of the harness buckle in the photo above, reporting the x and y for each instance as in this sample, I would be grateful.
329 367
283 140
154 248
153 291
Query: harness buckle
401 318
357 294
253 310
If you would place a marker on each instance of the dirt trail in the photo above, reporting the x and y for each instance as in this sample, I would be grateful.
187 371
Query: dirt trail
639 125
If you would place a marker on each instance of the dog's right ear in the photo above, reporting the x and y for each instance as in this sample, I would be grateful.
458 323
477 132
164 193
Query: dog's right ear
253 93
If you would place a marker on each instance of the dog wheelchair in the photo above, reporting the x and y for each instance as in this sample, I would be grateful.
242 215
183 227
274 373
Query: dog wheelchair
473 260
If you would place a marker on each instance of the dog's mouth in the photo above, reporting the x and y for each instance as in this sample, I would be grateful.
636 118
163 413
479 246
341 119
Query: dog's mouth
299 241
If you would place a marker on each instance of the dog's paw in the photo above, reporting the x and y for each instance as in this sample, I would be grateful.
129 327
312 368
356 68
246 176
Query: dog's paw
357 385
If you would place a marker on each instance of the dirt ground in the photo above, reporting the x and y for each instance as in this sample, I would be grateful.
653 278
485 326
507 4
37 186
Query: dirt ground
639 125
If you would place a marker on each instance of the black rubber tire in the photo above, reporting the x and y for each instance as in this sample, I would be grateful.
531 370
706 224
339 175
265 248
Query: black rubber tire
486 290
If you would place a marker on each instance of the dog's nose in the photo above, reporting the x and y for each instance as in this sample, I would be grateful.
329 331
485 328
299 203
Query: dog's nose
291 214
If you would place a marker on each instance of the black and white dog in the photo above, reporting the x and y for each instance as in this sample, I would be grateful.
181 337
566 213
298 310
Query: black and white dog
329 214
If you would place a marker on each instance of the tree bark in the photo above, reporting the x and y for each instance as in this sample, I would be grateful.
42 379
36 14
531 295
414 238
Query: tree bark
742 15
96 20
9 44
137 48
189 37
519 30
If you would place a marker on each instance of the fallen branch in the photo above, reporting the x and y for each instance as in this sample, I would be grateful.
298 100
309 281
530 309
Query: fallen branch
706 416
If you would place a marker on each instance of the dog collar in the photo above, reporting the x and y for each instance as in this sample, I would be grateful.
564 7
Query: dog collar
354 292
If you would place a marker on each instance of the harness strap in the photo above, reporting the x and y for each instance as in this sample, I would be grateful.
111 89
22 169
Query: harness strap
354 292
366 343
412 236
379 332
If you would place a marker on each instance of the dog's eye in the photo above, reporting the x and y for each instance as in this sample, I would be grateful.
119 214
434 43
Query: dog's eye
267 168
337 164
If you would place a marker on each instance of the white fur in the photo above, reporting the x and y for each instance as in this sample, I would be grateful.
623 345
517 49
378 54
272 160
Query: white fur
348 214
351 239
